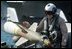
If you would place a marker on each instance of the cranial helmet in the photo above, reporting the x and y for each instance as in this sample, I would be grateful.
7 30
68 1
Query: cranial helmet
50 7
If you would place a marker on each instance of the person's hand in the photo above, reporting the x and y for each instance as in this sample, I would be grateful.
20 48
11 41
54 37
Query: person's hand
47 43
63 47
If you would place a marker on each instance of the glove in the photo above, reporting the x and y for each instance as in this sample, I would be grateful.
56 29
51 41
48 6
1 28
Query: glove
47 43
63 47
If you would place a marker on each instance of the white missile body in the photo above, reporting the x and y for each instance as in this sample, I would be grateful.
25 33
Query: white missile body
31 32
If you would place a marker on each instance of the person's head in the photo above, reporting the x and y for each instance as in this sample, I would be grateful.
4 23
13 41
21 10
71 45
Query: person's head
50 9
26 24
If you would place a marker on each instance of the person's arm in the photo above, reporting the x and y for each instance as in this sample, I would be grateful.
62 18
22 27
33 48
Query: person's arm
64 32
40 26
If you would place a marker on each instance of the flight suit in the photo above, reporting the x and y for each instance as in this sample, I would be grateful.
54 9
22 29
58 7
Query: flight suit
62 30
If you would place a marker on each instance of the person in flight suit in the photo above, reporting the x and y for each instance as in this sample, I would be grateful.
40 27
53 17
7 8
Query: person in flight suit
59 25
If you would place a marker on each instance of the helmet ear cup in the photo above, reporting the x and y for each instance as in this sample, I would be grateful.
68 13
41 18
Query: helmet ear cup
54 10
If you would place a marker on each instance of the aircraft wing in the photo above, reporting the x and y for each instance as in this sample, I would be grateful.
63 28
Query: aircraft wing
12 15
22 39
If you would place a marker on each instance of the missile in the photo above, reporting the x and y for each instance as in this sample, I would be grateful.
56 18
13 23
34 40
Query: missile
13 29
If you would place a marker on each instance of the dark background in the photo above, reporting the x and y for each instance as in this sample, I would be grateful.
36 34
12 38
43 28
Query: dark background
36 8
